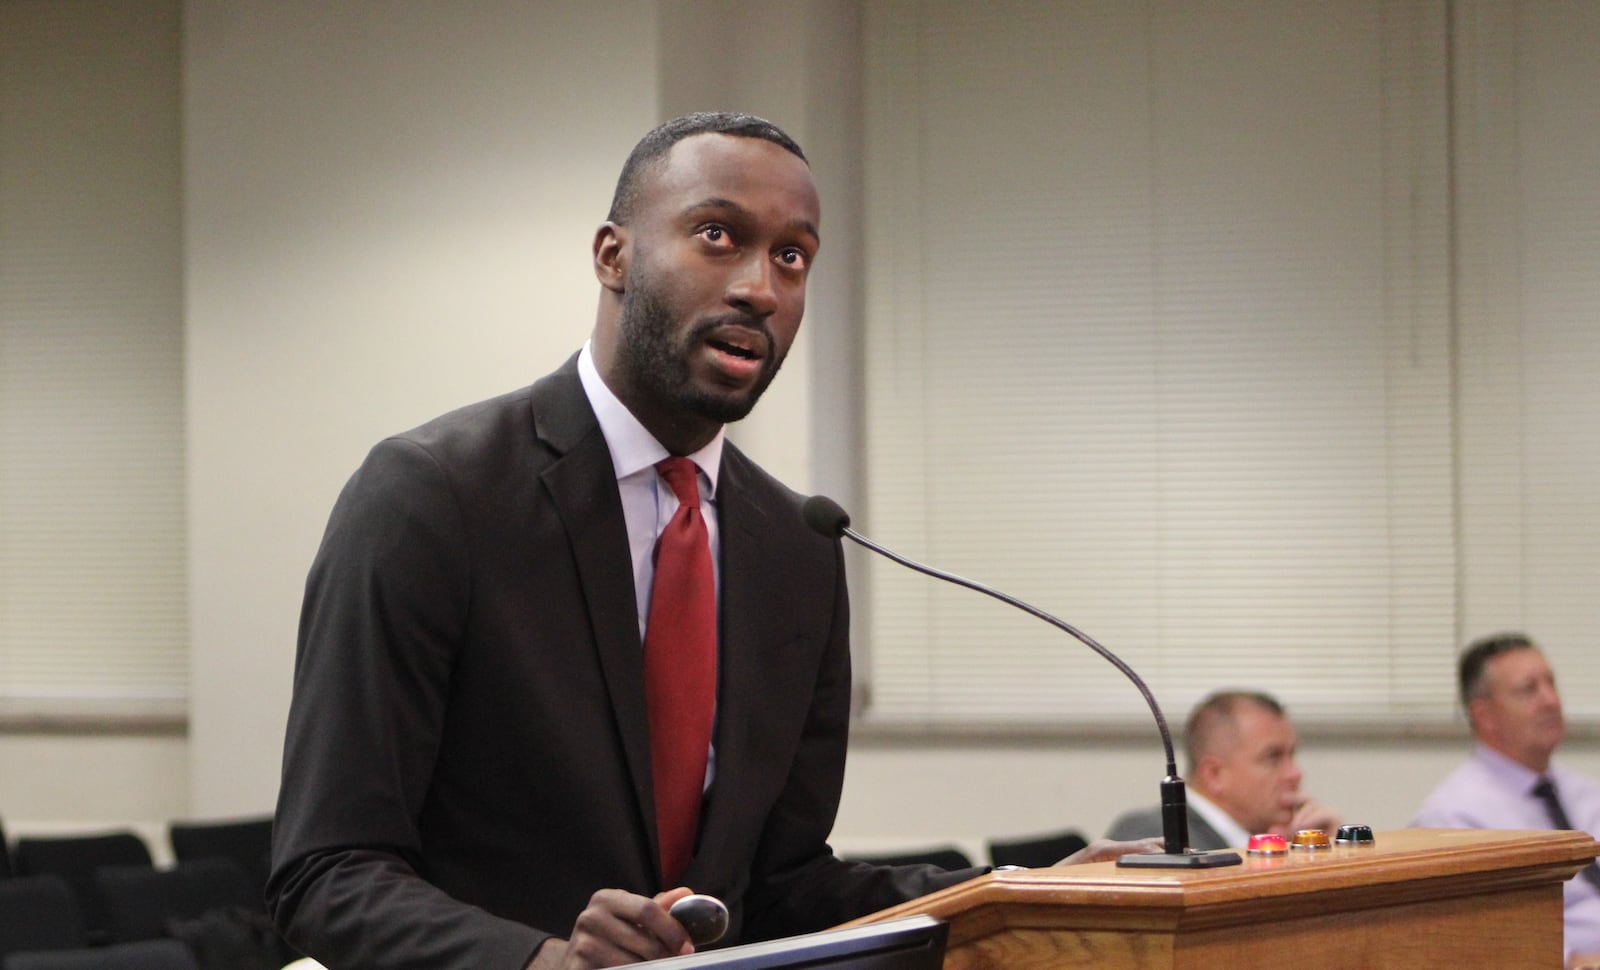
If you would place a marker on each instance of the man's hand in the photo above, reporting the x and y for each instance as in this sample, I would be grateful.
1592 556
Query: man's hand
1107 850
1584 961
1310 814
615 929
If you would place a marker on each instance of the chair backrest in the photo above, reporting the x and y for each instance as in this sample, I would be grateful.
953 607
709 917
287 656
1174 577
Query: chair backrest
139 900
247 841
233 938
144 955
39 913
1036 851
75 858
943 856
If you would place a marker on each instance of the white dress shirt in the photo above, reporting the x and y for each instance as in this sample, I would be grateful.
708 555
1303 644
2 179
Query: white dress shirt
1232 832
648 502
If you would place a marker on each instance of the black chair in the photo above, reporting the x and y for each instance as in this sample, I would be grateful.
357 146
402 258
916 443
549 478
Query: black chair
943 856
5 854
75 858
1037 851
144 955
39 913
247 841
140 901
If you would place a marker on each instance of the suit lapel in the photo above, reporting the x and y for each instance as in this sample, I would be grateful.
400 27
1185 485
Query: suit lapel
743 687
1201 835
583 486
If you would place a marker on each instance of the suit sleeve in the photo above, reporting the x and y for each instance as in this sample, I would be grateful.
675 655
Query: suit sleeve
798 885
384 608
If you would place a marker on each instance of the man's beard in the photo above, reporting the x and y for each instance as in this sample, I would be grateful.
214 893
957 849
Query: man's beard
659 365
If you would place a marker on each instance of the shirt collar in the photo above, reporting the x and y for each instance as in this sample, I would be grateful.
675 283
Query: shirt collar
633 448
1514 775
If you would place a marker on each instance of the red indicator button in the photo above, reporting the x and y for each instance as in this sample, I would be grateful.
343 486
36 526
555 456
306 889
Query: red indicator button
1267 845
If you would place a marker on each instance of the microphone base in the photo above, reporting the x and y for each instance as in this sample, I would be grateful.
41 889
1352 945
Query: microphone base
1182 860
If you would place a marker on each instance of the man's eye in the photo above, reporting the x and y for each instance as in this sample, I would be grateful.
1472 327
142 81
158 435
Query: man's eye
793 258
715 234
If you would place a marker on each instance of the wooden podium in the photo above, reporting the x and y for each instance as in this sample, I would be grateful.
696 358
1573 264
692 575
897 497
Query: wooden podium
1418 898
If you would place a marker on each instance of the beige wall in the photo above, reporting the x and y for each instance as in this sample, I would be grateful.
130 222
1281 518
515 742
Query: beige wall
375 235
909 795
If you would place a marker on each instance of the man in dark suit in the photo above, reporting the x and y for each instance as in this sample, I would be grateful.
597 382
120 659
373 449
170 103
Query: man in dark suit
468 777
1243 779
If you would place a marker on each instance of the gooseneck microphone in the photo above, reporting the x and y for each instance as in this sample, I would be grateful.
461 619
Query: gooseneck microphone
825 516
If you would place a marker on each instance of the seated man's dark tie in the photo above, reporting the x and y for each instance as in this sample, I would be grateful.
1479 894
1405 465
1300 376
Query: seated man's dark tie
1545 791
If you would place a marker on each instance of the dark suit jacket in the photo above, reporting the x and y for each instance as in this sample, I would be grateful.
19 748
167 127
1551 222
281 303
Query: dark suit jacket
1145 823
467 756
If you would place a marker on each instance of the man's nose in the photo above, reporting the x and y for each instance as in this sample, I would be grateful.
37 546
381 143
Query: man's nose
751 289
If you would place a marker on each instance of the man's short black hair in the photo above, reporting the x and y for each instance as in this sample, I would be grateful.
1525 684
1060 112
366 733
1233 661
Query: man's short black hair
653 148
1469 670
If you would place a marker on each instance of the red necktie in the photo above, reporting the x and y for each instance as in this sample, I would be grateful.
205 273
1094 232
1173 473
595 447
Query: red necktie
680 669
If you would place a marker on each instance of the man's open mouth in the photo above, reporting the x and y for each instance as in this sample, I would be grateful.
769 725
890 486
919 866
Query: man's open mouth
744 351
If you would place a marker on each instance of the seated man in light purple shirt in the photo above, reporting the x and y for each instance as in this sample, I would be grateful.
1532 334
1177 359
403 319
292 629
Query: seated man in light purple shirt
1511 702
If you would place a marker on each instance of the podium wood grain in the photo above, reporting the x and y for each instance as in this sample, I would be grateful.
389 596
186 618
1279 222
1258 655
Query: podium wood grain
1419 898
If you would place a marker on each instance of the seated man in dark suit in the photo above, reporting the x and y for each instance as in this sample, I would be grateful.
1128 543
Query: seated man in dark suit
1243 779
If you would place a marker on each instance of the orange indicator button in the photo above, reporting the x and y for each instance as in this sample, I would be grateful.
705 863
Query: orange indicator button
1311 839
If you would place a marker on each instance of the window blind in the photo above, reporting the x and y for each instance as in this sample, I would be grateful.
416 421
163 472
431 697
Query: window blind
1528 198
1158 338
93 603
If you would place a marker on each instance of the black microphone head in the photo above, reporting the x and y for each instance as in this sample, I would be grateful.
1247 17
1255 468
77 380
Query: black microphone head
825 516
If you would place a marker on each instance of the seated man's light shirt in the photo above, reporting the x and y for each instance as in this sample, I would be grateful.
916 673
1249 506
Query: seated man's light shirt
1232 832
648 502
1491 791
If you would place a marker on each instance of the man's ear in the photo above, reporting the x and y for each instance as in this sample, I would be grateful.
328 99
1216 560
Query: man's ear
1207 771
1475 709
611 256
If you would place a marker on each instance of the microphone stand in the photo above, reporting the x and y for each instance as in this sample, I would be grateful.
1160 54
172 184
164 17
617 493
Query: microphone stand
1176 853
